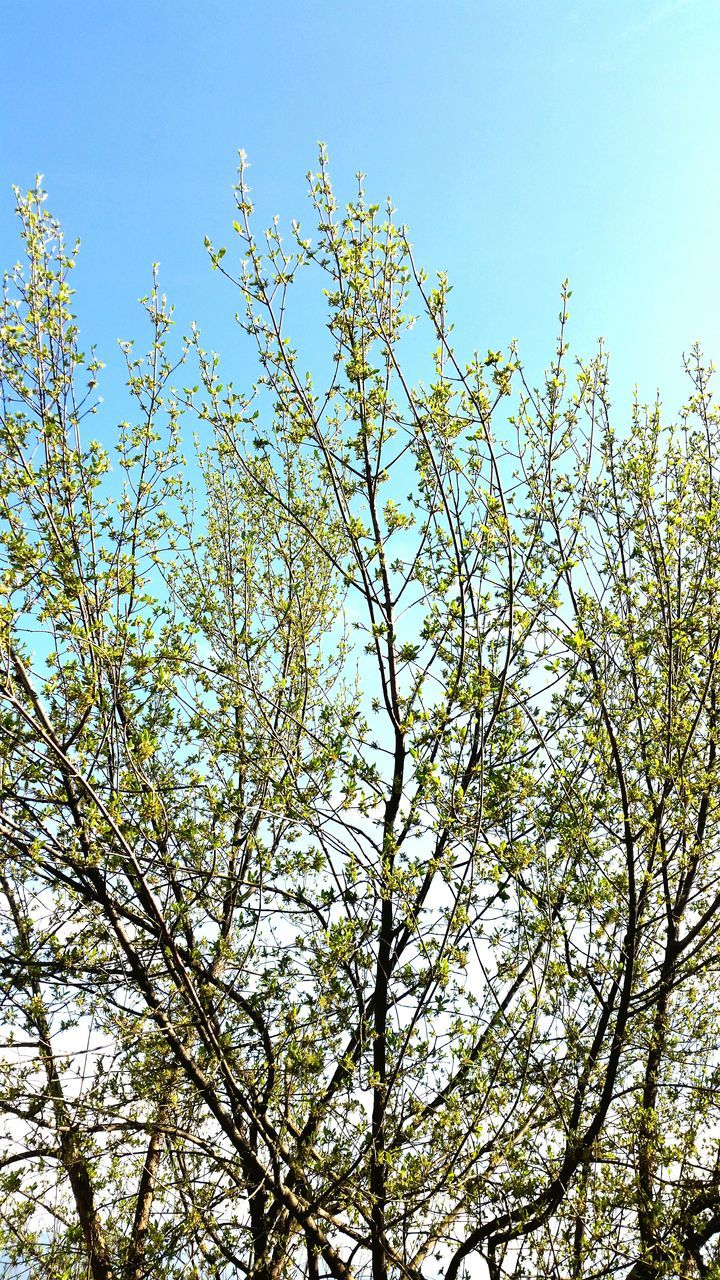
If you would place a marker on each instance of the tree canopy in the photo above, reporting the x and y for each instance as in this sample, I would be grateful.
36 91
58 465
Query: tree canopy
360 883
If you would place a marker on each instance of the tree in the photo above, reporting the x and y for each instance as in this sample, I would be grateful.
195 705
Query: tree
359 808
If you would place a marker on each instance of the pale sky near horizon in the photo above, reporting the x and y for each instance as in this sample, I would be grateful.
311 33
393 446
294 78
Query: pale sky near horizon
522 141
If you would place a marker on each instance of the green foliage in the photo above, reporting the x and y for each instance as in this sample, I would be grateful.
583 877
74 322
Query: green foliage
359 820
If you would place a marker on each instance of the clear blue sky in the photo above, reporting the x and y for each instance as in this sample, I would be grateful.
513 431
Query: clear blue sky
522 141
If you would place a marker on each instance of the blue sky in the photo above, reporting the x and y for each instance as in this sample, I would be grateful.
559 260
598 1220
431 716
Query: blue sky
522 141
